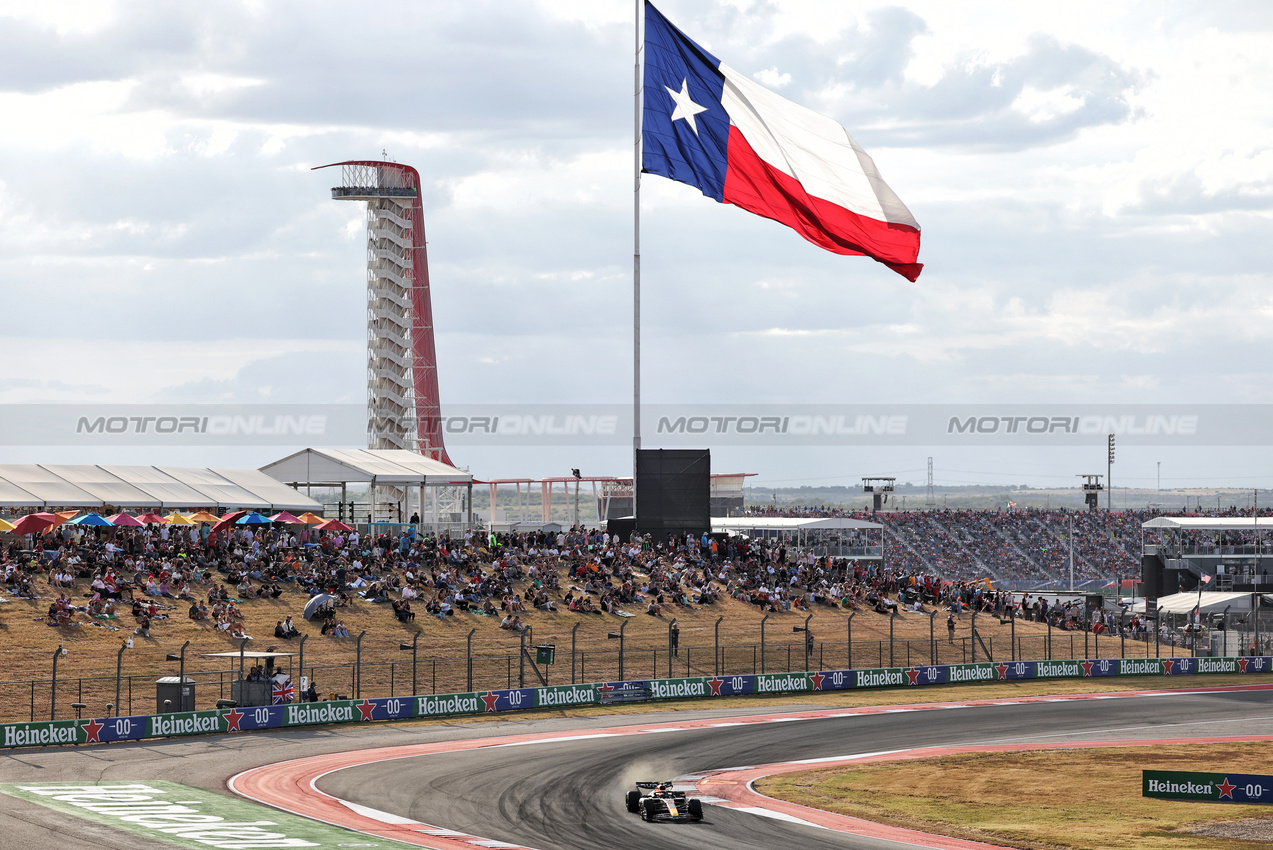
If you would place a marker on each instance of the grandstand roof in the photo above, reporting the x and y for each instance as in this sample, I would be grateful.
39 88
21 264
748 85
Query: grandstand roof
382 466
784 523
80 486
1210 523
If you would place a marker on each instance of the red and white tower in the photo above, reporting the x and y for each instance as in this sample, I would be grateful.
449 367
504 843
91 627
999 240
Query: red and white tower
402 365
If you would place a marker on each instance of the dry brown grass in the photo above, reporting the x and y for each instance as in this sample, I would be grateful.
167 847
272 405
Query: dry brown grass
1078 799
87 672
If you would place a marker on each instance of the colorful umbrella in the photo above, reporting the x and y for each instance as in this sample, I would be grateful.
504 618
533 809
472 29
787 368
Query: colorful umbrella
125 521
149 518
253 518
228 519
64 516
204 516
35 523
90 519
333 525
6 526
311 519
284 516
175 518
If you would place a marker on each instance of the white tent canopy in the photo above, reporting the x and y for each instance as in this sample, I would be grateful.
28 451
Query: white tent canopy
1211 603
81 486
371 466
782 523
1208 523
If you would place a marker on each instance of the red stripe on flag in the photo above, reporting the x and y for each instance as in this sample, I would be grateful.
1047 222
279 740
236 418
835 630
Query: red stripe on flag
756 186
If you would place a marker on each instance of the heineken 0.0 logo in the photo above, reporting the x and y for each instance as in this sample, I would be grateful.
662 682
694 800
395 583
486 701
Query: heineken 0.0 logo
1207 787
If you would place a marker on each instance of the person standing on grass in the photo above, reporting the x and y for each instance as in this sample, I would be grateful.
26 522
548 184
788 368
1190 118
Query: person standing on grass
950 626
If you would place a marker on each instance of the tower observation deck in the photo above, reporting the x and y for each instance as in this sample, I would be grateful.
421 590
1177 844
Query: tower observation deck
402 366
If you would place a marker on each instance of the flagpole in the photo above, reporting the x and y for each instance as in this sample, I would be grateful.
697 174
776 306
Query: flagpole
636 253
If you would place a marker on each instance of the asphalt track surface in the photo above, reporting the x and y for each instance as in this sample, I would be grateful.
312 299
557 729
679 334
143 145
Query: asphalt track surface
570 794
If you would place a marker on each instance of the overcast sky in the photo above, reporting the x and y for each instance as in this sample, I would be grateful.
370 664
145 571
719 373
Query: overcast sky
1093 181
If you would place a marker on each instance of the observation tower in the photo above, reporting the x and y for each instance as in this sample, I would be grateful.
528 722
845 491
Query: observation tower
402 365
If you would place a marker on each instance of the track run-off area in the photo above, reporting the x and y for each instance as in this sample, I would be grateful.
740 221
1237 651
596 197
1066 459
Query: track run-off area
557 782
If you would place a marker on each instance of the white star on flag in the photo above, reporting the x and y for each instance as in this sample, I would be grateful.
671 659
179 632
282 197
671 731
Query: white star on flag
685 107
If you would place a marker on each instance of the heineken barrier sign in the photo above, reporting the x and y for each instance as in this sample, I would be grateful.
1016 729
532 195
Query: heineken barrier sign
1207 787
109 729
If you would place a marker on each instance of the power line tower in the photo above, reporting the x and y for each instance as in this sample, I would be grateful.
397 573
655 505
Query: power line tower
402 367
932 500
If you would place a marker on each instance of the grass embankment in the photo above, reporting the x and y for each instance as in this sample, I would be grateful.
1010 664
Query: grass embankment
87 672
1079 799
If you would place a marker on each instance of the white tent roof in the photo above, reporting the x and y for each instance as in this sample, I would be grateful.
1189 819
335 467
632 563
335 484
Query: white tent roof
13 496
383 466
111 489
1206 523
146 487
220 491
1215 601
782 523
47 487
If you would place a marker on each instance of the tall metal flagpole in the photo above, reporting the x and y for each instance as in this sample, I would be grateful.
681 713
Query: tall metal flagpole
636 255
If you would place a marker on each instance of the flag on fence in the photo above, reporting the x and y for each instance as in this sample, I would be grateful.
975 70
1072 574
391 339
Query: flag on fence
283 692
707 125
1206 579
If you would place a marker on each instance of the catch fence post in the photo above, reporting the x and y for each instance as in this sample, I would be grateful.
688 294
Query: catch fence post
716 665
762 642
850 628
573 629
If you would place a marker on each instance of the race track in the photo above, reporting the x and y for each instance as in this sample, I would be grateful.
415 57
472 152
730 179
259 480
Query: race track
567 795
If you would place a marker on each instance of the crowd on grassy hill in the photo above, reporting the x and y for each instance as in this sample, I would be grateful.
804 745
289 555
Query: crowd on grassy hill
142 577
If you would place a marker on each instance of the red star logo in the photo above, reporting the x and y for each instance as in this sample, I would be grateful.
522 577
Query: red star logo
913 675
1226 790
1168 666
93 732
1003 670
606 688
490 699
1087 667
232 718
715 684
817 678
367 707
1242 662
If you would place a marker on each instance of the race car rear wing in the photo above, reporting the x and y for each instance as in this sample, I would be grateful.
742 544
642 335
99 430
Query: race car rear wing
648 784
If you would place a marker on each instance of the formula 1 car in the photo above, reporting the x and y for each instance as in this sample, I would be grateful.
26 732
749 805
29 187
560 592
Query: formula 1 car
656 801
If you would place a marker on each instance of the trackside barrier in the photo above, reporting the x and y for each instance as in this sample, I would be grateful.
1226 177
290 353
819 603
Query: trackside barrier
138 727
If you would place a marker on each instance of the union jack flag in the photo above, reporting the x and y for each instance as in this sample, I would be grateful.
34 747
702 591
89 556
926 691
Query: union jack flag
283 692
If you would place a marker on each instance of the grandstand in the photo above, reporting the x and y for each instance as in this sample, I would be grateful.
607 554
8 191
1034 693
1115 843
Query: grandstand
1027 545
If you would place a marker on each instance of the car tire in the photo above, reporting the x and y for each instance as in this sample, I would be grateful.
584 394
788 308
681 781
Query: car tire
634 801
645 813
696 809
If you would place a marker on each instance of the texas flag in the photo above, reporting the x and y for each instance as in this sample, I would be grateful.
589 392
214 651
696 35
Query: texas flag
712 127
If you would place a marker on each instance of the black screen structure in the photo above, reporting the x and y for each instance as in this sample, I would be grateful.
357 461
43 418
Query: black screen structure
673 491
